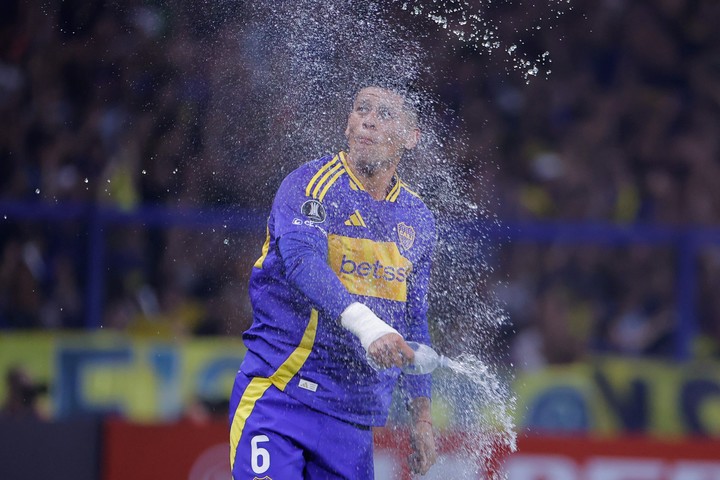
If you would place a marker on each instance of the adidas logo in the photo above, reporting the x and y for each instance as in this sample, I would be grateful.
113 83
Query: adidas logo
355 220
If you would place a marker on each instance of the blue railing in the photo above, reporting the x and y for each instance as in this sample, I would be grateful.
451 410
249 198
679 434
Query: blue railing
686 241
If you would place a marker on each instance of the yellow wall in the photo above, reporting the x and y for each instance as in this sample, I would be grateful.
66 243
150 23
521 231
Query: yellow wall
141 378
148 380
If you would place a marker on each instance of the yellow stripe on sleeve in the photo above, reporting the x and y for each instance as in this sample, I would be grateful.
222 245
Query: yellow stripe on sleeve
329 184
317 175
259 385
324 178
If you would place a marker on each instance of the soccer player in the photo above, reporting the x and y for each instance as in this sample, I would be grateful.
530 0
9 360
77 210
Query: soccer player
343 276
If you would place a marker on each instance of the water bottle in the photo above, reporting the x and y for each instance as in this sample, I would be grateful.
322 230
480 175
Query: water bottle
426 360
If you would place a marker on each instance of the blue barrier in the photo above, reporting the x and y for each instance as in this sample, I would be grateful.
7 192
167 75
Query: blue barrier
686 241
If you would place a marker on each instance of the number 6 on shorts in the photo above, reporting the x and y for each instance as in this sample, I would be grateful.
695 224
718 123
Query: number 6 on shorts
260 456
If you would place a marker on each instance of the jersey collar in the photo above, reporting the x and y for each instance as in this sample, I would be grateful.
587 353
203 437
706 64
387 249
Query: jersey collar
356 184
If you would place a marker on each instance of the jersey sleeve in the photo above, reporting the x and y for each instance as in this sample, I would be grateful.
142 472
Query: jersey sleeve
293 211
298 223
310 273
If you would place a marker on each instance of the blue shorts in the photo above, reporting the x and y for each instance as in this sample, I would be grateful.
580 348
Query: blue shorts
273 436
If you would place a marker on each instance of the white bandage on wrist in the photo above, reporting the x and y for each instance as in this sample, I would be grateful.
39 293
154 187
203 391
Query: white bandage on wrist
364 324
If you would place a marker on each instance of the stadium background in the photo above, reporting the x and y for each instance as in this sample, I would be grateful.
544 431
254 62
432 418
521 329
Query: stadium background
130 217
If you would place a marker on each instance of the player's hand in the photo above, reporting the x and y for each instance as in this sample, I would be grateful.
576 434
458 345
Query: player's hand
424 452
390 350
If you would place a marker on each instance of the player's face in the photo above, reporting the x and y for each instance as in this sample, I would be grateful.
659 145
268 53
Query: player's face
379 128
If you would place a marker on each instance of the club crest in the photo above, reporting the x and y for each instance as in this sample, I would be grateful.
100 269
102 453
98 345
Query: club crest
406 235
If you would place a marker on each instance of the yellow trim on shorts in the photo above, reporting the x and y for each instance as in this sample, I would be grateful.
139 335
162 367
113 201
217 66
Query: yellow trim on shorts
258 385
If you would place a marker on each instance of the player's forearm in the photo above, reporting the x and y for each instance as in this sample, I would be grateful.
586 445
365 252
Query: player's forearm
309 272
420 410
422 439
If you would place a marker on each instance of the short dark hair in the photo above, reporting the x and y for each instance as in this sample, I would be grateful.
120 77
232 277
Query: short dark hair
406 90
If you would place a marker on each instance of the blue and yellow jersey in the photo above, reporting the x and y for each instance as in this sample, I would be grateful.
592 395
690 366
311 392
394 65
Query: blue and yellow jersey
381 253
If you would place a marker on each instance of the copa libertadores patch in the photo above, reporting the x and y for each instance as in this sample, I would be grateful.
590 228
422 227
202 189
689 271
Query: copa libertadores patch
314 211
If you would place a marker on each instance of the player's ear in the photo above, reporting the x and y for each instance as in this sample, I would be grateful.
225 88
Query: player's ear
412 139
347 129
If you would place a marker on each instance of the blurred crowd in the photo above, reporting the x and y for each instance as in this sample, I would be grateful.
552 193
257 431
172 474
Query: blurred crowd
117 105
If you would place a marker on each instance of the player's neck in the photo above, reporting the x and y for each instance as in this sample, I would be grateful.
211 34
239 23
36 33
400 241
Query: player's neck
379 184
375 179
